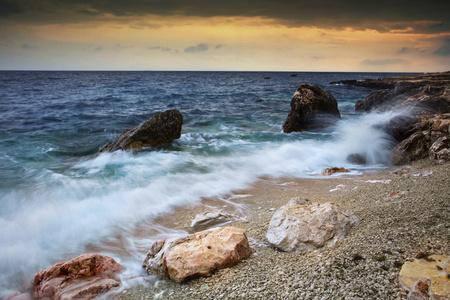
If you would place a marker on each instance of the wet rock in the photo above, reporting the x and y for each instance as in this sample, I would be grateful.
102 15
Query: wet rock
161 129
83 277
413 148
311 108
330 171
197 255
303 226
421 100
357 159
430 138
432 269
212 218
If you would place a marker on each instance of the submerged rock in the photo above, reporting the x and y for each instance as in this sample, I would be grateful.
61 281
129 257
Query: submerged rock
312 107
83 277
211 218
197 255
304 226
161 129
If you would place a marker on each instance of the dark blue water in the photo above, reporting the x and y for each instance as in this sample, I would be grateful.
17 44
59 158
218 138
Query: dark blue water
56 198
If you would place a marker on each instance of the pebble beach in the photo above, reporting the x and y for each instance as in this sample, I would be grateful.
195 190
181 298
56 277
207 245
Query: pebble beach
401 211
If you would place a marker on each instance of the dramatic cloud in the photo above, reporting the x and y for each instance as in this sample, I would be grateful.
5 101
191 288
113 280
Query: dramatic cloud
196 49
444 50
383 62
381 15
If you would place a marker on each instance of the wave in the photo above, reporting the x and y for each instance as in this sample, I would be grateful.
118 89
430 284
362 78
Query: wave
93 200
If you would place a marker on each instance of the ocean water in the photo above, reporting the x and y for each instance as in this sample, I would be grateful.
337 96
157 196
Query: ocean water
58 200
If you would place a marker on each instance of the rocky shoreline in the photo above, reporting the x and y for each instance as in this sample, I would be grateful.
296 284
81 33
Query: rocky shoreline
402 211
389 216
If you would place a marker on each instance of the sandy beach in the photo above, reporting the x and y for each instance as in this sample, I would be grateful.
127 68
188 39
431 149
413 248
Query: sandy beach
401 211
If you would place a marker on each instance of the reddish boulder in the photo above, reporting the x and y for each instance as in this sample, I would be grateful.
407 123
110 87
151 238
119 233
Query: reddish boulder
312 107
83 277
197 255
329 171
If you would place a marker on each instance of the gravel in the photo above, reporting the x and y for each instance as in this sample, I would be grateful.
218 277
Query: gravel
401 211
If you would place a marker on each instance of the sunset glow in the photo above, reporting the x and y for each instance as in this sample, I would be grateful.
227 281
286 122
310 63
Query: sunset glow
96 38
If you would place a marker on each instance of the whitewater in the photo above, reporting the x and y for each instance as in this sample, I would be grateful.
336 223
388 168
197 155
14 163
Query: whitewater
59 200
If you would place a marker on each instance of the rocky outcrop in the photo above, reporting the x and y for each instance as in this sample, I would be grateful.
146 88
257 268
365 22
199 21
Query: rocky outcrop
161 129
425 97
429 138
422 93
416 80
211 218
197 255
420 100
330 171
83 277
312 107
304 226
431 270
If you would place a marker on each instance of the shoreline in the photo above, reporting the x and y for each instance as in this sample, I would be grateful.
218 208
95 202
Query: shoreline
401 211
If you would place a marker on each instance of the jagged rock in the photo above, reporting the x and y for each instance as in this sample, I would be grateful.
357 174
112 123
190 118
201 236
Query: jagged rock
329 171
440 150
303 226
312 107
197 255
162 128
413 148
83 277
432 269
211 218
421 100
430 137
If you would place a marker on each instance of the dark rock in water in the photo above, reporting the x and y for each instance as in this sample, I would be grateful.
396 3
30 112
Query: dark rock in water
311 108
161 129
357 159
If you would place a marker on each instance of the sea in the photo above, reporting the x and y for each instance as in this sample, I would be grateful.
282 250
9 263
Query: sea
58 199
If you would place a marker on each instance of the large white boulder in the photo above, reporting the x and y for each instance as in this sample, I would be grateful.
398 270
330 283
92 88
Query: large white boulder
302 225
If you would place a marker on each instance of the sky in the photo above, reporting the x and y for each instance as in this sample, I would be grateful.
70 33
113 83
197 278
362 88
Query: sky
231 35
